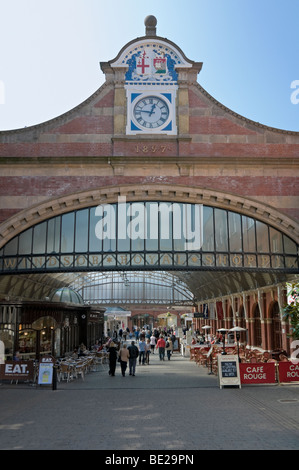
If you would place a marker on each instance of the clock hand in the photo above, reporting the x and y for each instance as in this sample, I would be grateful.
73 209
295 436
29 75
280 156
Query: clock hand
152 110
149 112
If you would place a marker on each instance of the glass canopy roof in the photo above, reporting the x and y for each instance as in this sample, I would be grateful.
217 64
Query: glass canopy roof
166 288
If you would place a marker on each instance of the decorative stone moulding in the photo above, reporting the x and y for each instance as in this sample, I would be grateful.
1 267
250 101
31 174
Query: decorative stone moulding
149 192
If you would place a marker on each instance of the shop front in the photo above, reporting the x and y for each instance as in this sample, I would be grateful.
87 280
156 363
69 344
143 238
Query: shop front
91 326
29 330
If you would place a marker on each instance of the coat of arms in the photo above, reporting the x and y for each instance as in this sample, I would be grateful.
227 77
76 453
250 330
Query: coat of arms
150 63
160 65
143 64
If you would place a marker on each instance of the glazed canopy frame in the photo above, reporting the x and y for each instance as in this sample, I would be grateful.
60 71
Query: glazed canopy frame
230 241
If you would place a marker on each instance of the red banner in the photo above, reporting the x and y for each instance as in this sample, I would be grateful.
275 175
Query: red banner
258 373
219 310
288 372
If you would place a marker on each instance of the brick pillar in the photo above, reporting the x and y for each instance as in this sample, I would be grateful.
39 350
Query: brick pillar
262 303
268 333
183 111
119 111
251 335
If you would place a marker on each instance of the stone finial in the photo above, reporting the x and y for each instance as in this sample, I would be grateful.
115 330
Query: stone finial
150 25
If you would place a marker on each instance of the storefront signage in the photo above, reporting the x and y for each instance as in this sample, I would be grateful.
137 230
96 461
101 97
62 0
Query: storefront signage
198 315
258 373
17 370
288 372
45 373
94 317
228 370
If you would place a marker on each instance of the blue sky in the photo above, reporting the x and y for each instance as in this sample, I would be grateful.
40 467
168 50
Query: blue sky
50 53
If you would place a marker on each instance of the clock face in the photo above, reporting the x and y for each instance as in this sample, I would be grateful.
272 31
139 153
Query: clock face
151 112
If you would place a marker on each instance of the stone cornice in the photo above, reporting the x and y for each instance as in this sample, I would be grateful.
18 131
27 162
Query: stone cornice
161 159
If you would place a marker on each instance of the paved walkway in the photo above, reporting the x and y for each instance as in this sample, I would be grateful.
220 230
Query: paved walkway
169 406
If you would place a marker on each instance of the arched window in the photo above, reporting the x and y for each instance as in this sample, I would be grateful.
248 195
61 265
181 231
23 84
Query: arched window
241 317
276 327
153 235
257 327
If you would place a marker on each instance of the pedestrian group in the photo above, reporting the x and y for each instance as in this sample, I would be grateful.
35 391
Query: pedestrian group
147 344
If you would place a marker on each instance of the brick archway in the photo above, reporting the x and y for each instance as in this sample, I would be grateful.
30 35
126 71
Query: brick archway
151 192
257 337
276 329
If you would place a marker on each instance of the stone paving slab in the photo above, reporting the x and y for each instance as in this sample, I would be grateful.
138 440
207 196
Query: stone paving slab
169 406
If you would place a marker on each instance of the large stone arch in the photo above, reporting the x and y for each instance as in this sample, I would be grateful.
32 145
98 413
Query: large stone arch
151 192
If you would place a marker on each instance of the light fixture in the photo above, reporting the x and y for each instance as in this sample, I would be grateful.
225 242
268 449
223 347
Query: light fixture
206 327
223 331
237 330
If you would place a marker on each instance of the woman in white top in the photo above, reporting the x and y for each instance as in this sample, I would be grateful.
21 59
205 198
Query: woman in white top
153 343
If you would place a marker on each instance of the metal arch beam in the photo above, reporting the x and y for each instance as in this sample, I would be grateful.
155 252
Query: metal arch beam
93 277
190 285
147 281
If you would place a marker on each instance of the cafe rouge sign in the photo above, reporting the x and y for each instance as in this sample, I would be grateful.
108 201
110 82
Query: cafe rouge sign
35 263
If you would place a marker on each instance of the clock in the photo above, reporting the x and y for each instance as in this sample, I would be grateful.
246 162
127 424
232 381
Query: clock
151 112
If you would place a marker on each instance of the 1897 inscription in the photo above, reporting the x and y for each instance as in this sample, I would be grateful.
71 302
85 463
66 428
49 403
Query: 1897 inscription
152 148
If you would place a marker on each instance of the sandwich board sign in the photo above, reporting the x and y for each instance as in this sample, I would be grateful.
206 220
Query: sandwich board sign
45 374
228 370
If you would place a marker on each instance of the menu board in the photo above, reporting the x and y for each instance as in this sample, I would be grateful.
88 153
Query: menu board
228 370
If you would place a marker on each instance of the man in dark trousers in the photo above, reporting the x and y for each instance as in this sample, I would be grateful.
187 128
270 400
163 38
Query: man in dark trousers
133 351
161 346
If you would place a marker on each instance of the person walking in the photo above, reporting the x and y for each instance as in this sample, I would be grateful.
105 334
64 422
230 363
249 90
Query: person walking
137 332
133 354
124 358
147 351
161 346
153 343
169 348
142 348
112 358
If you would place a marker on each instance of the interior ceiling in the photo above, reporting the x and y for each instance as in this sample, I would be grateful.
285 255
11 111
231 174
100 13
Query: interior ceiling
204 285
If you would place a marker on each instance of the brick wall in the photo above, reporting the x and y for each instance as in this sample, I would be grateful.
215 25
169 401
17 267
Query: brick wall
79 151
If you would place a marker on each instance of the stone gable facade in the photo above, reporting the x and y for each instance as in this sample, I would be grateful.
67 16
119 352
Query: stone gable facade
217 155
213 156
